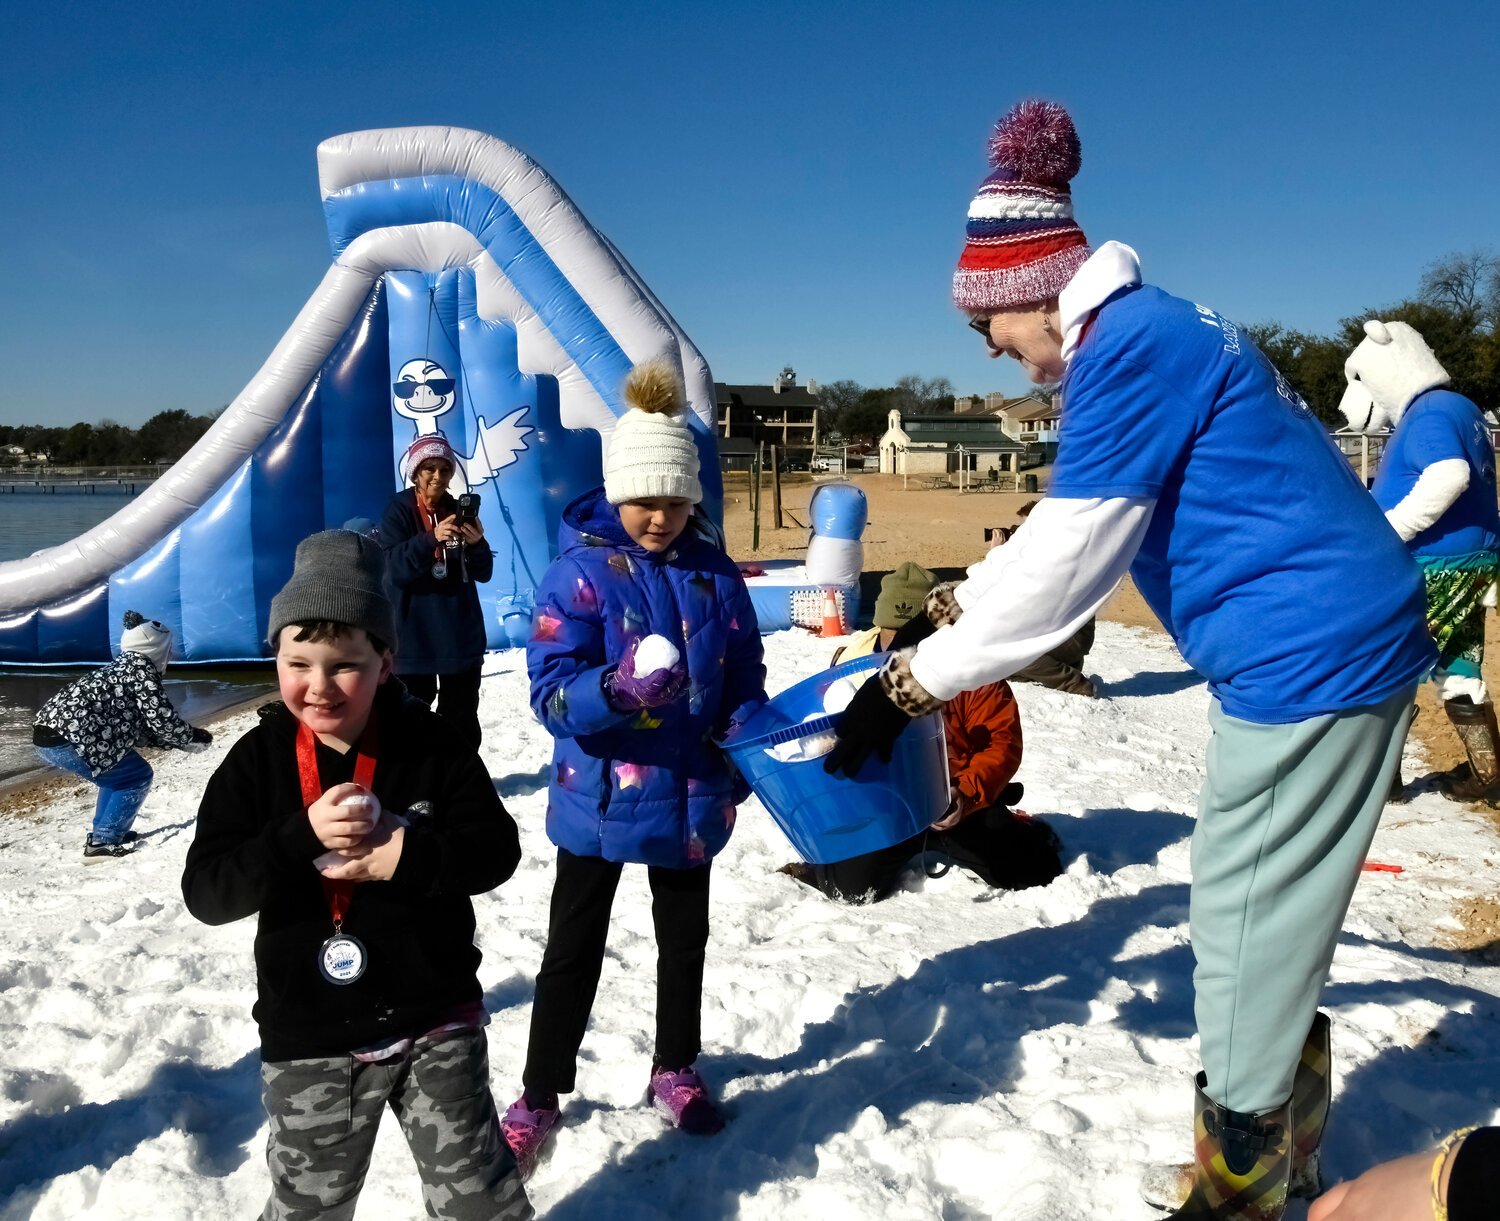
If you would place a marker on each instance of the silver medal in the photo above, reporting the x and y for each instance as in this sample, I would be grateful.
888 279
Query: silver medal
342 959
440 569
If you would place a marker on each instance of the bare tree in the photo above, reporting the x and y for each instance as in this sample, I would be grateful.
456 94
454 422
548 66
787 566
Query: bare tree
1467 283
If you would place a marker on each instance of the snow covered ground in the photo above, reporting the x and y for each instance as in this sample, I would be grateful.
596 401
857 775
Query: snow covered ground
952 1053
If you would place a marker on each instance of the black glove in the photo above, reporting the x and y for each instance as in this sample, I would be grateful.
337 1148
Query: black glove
871 722
912 632
201 739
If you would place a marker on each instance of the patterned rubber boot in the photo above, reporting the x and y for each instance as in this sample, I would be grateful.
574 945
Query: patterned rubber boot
526 1131
1312 1093
684 1099
1475 725
1243 1163
1169 1184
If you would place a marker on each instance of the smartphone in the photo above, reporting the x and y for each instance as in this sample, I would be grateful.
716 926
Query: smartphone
468 507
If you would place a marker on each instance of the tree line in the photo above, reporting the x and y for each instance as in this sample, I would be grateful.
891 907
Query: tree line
1456 310
847 409
165 437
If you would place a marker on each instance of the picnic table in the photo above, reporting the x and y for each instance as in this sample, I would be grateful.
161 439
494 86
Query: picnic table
933 482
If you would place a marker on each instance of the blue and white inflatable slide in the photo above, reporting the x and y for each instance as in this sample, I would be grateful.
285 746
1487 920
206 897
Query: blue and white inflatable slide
467 295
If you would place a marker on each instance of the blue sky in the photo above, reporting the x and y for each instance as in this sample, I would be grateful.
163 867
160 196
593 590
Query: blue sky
790 179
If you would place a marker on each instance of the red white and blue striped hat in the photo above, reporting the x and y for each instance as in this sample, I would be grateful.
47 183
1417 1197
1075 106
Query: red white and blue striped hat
1023 244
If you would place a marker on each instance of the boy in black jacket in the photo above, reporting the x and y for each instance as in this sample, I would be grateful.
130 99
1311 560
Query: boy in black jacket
357 825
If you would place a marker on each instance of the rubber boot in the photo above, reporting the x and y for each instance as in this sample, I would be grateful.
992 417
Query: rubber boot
1475 725
1312 1093
1243 1163
1168 1185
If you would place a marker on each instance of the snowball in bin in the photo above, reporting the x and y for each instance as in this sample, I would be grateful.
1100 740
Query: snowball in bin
655 653
800 750
841 692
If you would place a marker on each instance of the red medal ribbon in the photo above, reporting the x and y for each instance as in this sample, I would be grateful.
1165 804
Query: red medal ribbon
337 892
429 523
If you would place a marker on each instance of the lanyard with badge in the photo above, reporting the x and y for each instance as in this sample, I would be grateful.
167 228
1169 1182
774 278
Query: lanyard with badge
440 553
343 957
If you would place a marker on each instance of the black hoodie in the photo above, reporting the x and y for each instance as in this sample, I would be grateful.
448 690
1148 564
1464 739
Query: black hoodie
253 852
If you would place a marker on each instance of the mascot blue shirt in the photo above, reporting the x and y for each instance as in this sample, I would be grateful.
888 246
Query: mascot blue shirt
1439 425
1265 559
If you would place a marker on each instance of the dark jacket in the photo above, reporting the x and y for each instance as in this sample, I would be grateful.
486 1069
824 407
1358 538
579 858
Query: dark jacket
253 852
648 787
110 712
440 621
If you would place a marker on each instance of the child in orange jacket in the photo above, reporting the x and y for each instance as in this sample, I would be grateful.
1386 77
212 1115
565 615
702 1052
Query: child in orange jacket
979 832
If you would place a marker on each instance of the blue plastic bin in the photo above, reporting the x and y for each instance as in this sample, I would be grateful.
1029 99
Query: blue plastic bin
831 818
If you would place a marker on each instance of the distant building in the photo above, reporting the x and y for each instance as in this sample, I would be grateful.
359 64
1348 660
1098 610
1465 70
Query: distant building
783 414
1034 421
938 444
990 404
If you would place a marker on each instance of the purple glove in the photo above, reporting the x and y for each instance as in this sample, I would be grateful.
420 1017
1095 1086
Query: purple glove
628 691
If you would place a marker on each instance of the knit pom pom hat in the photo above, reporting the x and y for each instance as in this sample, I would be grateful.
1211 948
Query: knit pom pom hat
147 637
652 451
1023 244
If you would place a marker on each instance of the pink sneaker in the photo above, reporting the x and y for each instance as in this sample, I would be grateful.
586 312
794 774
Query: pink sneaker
526 1132
683 1098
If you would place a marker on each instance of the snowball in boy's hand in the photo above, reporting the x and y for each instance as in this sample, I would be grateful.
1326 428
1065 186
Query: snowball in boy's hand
655 653
361 805
840 693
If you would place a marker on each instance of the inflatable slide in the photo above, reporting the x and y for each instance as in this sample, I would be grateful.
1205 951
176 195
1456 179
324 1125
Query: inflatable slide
467 296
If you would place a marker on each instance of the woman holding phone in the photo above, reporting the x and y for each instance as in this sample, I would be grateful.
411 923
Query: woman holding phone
435 551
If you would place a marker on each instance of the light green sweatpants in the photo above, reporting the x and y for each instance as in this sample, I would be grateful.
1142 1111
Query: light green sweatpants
1285 819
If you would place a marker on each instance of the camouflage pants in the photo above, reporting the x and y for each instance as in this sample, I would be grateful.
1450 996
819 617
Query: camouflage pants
324 1113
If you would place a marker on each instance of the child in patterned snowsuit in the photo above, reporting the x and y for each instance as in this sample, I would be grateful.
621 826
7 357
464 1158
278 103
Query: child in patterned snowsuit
636 775
92 727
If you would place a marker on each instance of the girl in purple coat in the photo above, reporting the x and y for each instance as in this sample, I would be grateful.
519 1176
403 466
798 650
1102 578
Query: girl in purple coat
644 650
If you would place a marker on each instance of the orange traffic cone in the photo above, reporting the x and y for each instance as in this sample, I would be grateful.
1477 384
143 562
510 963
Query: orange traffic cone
833 623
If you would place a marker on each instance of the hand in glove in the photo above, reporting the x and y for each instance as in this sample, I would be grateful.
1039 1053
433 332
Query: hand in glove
871 723
876 715
201 740
628 691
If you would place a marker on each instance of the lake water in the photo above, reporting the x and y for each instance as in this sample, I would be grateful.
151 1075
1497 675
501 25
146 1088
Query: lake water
29 522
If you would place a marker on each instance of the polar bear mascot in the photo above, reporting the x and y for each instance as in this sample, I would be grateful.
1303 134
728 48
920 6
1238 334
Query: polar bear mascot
1436 483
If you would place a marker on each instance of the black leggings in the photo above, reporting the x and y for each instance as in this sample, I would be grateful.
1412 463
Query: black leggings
566 984
457 698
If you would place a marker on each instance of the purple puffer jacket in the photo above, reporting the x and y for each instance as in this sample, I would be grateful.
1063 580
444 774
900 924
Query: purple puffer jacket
647 787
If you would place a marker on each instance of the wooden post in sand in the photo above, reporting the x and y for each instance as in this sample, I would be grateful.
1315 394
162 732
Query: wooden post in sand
755 497
775 489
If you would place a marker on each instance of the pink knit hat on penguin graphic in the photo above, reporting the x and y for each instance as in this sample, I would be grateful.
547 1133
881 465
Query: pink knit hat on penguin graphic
1023 245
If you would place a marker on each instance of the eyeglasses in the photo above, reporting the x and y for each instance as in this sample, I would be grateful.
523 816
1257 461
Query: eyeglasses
982 325
440 386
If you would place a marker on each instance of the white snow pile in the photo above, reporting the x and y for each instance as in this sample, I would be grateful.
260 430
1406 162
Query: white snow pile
951 1053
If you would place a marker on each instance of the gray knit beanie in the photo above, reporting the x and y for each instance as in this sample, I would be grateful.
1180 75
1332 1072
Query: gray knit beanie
338 576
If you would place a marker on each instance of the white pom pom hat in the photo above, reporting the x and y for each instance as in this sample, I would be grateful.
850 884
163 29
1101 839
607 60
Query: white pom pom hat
652 452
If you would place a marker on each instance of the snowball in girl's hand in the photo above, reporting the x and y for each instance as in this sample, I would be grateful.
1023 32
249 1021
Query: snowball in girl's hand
655 653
